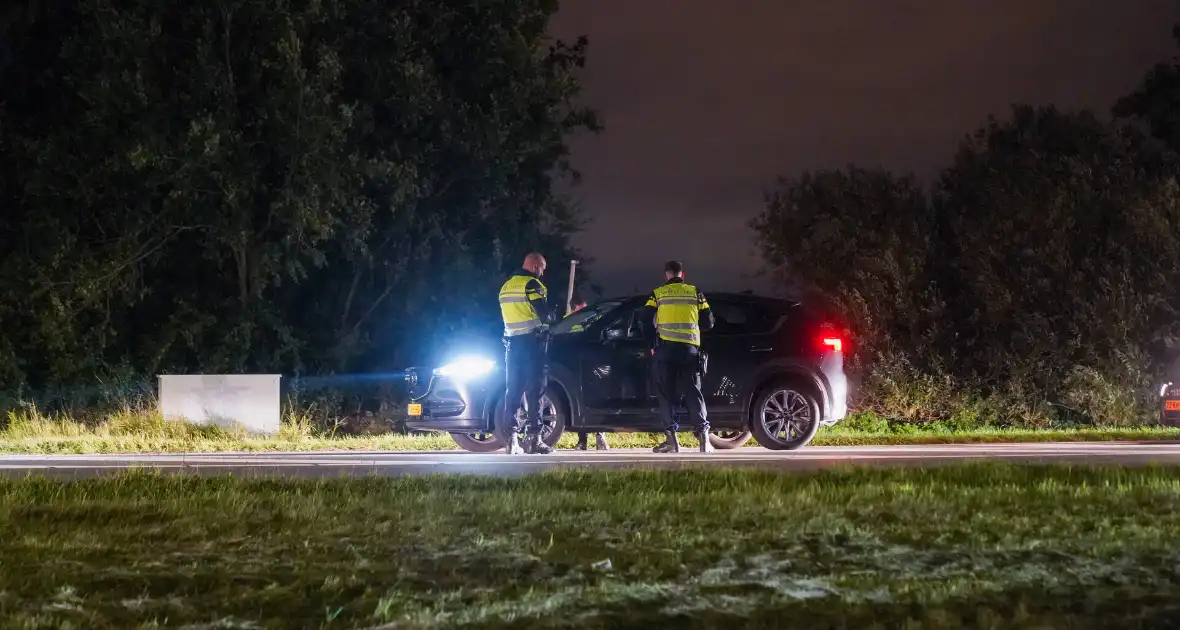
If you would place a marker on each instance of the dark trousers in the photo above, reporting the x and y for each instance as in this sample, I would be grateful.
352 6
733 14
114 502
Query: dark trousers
678 373
526 367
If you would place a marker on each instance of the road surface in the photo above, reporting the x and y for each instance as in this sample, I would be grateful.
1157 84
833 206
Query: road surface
331 464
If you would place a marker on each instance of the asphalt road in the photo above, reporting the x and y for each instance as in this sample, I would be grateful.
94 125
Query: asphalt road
427 462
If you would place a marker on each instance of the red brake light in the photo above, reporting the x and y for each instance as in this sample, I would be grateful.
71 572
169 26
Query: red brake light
835 343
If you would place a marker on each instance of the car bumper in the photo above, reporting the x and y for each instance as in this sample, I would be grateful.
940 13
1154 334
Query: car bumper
448 404
835 383
838 408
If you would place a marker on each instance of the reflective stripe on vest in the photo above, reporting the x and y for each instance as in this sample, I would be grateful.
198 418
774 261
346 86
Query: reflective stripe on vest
678 308
520 318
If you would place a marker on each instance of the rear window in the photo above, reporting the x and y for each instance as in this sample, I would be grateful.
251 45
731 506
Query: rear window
742 318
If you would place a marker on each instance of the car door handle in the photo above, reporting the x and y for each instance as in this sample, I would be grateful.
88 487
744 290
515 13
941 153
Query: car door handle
761 348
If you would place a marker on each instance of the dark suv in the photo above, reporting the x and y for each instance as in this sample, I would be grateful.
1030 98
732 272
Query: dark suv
775 370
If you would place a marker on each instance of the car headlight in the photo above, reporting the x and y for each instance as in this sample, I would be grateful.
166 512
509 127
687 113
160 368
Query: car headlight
1164 389
466 368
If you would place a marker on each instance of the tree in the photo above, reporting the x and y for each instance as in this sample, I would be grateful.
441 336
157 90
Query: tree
1062 248
278 185
857 240
1156 102
1041 267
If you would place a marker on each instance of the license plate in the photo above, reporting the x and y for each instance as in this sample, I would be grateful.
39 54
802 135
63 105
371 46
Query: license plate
1172 405
414 409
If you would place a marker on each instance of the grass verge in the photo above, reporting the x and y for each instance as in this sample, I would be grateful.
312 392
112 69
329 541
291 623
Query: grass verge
967 546
136 432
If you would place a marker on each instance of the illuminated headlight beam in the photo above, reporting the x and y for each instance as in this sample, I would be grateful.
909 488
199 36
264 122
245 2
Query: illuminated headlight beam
466 368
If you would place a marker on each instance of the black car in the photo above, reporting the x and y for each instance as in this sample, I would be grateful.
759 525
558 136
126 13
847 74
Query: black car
775 370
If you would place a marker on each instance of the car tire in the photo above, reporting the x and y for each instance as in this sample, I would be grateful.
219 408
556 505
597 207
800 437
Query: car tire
726 439
478 442
554 412
793 427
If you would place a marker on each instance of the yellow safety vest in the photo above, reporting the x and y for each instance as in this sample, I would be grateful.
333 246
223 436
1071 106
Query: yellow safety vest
516 308
678 306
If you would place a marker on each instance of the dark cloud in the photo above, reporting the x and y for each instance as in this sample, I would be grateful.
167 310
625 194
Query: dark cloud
707 101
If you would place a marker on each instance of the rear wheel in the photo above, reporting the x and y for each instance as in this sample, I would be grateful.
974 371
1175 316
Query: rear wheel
785 416
725 439
554 418
486 442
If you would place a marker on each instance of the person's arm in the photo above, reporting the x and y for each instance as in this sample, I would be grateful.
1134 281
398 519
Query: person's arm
649 316
535 292
705 318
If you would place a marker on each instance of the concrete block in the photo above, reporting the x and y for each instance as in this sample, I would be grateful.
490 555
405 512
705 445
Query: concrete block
250 401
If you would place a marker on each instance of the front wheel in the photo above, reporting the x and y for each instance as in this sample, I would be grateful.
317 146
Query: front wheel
785 417
554 419
725 439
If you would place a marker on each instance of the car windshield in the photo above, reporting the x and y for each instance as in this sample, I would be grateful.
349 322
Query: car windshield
579 321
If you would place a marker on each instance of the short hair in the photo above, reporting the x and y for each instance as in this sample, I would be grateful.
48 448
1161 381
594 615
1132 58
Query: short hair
577 299
673 267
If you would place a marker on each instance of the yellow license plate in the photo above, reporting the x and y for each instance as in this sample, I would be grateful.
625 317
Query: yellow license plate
1172 405
414 409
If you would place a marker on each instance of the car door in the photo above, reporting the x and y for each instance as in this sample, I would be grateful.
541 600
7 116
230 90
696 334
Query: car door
740 333
616 370
633 365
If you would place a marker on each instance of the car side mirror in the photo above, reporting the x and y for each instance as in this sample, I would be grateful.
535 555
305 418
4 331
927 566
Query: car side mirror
614 334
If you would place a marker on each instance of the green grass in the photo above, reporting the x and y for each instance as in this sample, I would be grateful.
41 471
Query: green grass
137 432
987 546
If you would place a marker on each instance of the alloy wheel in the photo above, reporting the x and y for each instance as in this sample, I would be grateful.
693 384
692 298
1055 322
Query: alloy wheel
548 418
787 416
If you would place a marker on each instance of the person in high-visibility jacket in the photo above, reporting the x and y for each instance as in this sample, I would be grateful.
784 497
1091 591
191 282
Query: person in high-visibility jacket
525 310
577 304
679 314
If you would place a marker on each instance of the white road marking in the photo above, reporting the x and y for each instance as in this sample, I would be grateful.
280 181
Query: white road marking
434 461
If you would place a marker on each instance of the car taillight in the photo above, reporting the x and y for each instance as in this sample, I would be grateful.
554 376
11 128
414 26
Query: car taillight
835 343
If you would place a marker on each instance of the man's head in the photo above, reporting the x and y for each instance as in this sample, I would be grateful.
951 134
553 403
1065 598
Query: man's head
577 304
535 264
673 269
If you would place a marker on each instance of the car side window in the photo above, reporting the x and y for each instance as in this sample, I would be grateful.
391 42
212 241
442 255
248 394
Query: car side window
733 318
631 321
639 323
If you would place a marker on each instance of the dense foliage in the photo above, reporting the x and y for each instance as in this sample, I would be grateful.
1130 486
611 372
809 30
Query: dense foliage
1037 280
297 186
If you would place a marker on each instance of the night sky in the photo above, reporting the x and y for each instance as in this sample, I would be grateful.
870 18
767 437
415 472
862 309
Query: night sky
706 101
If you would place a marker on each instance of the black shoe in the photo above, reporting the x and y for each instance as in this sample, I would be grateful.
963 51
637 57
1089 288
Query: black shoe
706 445
671 444
600 442
581 443
537 446
514 447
